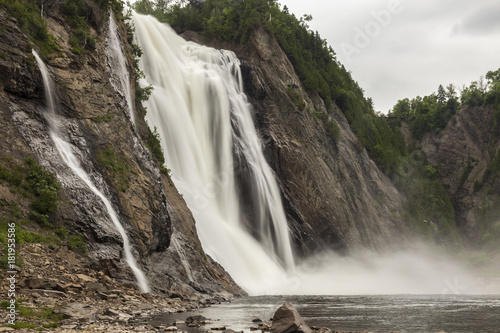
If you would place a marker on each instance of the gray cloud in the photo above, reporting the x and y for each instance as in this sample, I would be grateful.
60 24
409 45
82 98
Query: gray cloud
482 21
426 44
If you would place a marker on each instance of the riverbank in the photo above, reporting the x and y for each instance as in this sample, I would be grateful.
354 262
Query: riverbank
55 290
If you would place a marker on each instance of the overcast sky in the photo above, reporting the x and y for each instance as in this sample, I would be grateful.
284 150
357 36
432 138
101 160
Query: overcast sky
404 48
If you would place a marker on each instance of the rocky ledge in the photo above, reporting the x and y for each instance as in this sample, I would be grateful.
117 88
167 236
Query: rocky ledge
57 291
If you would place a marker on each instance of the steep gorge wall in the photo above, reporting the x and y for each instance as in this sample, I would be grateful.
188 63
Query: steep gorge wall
462 153
157 220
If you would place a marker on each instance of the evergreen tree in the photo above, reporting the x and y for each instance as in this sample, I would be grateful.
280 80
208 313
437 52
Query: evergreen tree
451 92
441 95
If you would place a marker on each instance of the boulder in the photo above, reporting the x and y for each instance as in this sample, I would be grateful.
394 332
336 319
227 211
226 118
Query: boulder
112 313
79 311
196 319
95 286
288 320
85 278
39 283
218 328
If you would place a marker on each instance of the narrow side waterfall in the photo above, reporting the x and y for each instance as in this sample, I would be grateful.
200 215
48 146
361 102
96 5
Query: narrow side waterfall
115 56
65 149
210 144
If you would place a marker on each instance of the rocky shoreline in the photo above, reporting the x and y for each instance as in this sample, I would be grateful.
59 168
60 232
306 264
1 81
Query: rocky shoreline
57 291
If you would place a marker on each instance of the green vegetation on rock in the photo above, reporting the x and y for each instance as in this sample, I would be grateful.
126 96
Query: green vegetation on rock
33 187
29 313
28 16
82 15
117 166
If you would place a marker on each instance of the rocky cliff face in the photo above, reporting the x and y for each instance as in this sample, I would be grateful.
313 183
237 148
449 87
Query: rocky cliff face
462 153
154 215
334 194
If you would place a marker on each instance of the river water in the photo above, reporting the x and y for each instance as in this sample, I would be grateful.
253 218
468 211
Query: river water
401 313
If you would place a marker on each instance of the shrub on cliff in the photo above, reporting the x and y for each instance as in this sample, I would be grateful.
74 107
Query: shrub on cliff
44 186
28 16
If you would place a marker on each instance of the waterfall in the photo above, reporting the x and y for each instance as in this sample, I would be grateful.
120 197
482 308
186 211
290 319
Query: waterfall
117 63
65 150
211 145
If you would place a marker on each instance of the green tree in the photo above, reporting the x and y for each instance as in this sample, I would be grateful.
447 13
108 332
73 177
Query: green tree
493 95
402 108
451 92
441 95
472 95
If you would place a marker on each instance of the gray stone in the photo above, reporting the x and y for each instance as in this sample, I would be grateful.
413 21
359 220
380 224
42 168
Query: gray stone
288 320
197 319
218 328
79 311
38 283
112 312
95 286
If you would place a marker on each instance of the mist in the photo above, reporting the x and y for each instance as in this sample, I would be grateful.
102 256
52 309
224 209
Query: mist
421 269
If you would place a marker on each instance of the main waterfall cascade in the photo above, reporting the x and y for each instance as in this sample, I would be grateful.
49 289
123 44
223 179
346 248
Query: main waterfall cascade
205 124
65 150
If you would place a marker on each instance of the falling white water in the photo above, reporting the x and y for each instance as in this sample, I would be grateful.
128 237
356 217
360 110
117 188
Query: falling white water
66 152
120 78
205 122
